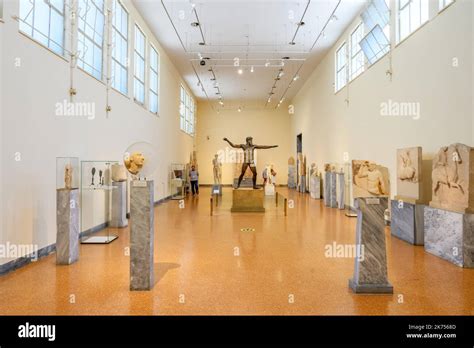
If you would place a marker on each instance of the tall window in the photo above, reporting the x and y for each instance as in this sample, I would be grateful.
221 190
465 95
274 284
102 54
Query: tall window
119 62
357 56
442 3
411 15
44 22
186 112
341 67
376 18
139 72
153 80
90 36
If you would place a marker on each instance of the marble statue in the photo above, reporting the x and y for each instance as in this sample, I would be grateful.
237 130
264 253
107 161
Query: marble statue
452 178
249 157
369 179
68 177
134 163
119 173
217 170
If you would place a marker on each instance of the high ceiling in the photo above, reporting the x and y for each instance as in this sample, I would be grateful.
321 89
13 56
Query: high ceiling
250 48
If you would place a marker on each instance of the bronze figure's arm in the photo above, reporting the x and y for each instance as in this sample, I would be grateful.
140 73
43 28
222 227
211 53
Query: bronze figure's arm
265 146
232 144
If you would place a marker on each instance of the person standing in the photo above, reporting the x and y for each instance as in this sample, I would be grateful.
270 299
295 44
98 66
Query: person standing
193 177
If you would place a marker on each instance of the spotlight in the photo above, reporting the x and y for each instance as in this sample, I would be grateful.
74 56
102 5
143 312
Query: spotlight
333 18
251 69
201 44
300 24
292 43
202 62
221 103
239 109
240 71
296 77
267 64
195 24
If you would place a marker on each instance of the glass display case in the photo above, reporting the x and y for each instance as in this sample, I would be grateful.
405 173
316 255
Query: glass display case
96 202
178 181
67 173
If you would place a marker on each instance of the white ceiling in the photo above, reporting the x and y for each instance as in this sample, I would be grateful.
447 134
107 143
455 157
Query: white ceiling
258 33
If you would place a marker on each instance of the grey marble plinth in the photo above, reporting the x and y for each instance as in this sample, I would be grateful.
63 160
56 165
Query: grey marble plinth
302 186
370 269
315 187
450 235
67 224
407 222
119 204
341 192
217 189
141 235
332 190
327 189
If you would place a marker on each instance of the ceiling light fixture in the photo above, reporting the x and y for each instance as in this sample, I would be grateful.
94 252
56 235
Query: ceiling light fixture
333 18
201 44
296 77
292 43
195 24
267 64
239 109
221 102
300 24
240 71
251 69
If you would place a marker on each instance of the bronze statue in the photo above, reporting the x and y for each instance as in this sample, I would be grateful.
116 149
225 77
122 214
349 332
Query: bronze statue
249 160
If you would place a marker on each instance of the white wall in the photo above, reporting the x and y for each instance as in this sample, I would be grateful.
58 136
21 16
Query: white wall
30 127
422 72
267 127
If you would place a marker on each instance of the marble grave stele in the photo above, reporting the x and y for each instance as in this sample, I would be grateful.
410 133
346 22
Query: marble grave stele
369 179
409 177
453 179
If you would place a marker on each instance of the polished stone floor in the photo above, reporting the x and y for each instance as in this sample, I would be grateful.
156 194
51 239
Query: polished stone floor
207 265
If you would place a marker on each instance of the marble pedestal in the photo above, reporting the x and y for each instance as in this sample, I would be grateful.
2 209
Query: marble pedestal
67 224
315 187
332 190
291 176
370 270
341 185
450 235
141 235
269 190
119 204
247 200
327 189
217 189
302 185
407 221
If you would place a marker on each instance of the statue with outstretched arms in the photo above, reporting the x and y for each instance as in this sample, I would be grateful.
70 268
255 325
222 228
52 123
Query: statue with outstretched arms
249 161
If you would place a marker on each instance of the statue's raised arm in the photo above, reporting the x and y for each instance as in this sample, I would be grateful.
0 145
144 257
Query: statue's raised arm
265 146
232 144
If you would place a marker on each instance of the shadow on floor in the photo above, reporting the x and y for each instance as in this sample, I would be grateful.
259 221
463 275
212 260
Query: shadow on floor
162 267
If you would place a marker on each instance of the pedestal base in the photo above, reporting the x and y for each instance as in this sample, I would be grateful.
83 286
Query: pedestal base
407 221
341 191
332 190
246 182
119 205
67 224
247 200
370 265
315 187
269 190
216 189
370 288
141 235
450 235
